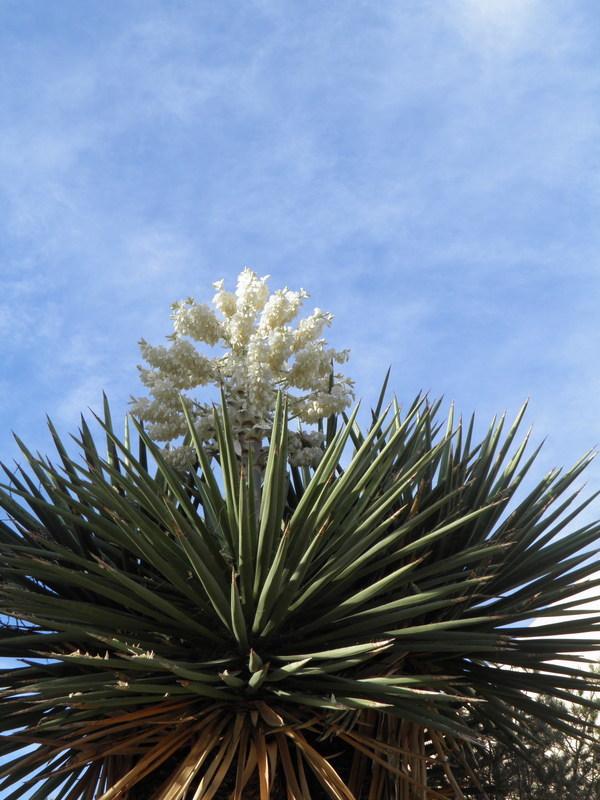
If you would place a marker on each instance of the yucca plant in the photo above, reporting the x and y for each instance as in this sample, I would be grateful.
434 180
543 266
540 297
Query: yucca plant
347 631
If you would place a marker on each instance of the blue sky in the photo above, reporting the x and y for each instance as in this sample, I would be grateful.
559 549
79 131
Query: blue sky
427 170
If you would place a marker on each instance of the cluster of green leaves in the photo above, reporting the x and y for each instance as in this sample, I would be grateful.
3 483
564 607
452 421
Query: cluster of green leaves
220 619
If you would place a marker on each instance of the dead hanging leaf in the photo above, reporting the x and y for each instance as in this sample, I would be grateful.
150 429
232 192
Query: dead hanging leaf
270 716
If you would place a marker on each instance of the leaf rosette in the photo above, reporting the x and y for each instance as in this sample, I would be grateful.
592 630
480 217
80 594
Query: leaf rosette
337 628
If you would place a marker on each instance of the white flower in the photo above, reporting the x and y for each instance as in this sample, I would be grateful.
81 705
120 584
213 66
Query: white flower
306 457
311 366
197 321
180 457
204 425
280 346
239 329
325 403
181 363
280 309
265 353
310 328
252 292
304 448
223 301
259 380
167 431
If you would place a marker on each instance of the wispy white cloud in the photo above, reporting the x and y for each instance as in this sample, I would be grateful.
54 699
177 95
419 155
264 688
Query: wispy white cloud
498 28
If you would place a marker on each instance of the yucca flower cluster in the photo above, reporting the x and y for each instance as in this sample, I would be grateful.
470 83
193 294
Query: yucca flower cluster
266 350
